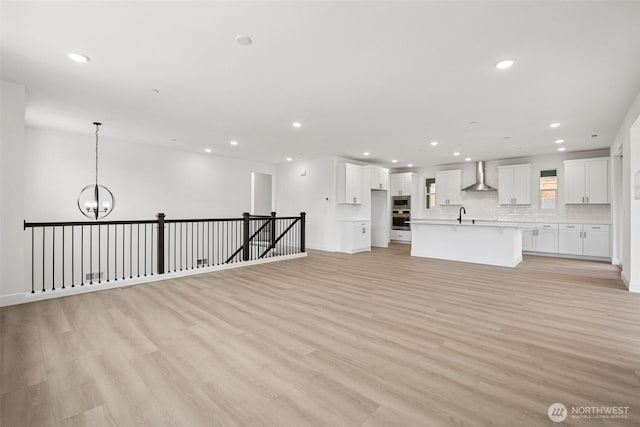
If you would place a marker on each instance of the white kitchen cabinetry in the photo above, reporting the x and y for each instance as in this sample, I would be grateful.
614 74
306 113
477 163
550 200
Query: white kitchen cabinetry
540 238
586 181
570 239
402 184
349 184
355 236
401 236
595 240
378 178
587 240
514 185
448 187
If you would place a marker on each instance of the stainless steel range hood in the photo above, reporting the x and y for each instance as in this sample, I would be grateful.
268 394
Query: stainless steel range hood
480 184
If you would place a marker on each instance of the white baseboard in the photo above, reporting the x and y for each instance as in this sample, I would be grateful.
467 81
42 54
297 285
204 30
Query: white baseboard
320 248
23 298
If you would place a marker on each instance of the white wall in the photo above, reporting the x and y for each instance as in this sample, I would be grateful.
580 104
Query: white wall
309 186
11 188
144 179
627 223
484 205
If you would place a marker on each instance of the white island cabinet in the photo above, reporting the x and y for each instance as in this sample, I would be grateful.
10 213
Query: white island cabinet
491 243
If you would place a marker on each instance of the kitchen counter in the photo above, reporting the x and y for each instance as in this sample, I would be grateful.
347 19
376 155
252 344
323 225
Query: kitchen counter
536 221
485 242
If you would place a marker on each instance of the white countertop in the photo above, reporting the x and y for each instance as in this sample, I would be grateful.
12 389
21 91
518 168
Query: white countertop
484 220
467 223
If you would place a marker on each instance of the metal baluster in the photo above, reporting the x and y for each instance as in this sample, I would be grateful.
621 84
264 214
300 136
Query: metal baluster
99 253
145 250
180 246
138 249
32 265
82 255
91 253
53 260
197 243
130 251
63 257
73 256
151 249
108 227
168 248
44 229
123 251
192 245
115 252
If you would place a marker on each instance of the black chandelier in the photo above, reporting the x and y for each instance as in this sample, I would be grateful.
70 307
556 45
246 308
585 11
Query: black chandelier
96 201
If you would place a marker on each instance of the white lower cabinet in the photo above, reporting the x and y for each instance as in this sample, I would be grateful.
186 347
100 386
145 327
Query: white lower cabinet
540 238
585 240
596 240
355 236
403 236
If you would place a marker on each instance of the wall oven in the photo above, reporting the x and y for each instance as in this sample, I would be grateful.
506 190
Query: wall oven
399 221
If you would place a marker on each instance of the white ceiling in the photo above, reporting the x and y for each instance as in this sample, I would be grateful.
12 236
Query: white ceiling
383 77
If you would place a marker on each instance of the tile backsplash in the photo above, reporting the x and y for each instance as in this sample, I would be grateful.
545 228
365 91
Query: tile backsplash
484 205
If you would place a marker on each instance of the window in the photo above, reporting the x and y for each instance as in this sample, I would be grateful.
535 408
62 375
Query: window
548 189
431 193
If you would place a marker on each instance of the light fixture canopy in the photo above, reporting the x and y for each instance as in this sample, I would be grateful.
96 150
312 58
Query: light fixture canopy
96 201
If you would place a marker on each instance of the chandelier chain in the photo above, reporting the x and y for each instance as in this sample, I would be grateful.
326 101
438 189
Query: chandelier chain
97 130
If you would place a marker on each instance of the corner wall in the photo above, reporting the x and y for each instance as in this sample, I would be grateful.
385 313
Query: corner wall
11 188
627 222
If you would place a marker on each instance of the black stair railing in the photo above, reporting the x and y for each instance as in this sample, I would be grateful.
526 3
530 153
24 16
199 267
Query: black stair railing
71 254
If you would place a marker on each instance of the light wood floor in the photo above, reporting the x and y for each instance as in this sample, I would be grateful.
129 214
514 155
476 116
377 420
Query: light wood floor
337 340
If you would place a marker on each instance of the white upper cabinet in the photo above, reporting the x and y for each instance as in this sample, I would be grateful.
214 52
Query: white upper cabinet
402 184
378 178
586 181
449 187
514 185
349 184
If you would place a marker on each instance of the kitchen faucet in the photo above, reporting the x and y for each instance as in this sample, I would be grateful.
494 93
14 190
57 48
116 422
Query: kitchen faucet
462 209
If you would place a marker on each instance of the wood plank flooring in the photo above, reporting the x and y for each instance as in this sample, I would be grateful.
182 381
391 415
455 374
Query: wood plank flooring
376 339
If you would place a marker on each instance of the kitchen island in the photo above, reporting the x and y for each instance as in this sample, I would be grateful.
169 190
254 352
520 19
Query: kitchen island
483 242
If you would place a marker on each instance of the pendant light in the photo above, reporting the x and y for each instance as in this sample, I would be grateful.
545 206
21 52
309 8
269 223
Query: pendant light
96 201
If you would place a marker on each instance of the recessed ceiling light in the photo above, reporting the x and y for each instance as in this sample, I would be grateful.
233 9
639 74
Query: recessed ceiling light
434 143
243 40
289 159
78 57
296 124
559 141
468 159
562 148
410 165
233 142
366 153
456 153
394 161
554 125
503 65
208 150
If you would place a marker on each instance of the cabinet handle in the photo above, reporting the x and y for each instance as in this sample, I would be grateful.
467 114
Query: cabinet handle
582 199
584 234
587 199
354 200
363 230
381 186
595 228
